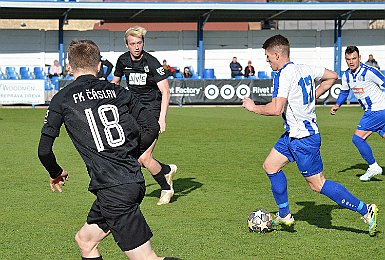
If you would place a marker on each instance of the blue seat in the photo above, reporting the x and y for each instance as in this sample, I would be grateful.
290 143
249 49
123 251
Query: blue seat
9 70
69 77
55 82
262 75
47 85
12 76
38 69
239 77
111 77
208 74
178 75
23 70
26 75
252 77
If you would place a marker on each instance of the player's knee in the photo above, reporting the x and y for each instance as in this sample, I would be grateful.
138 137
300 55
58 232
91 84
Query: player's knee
269 168
84 244
145 159
315 188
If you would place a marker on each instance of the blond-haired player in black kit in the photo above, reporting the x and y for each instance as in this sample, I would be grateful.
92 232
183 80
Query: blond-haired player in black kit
110 128
147 80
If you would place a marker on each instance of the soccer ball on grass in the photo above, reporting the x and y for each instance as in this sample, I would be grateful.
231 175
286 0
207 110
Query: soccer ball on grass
260 221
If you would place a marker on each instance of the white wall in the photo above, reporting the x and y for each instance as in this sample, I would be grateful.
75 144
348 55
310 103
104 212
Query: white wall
38 48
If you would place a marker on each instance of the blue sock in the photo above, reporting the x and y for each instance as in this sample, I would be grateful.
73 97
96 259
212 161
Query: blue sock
279 189
364 149
343 197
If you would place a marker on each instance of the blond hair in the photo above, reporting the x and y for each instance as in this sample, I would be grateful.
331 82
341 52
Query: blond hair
135 31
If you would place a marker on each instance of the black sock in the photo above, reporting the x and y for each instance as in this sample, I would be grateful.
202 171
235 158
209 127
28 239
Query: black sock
161 180
165 168
92 258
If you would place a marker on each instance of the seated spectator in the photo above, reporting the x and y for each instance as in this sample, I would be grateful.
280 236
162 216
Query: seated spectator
236 68
55 69
170 71
187 73
68 74
249 70
372 62
108 64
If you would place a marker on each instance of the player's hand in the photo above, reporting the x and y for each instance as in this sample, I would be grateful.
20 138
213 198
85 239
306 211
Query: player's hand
58 181
162 126
248 104
334 109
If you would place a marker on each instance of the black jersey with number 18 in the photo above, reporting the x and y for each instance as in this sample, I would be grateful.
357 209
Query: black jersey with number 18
105 122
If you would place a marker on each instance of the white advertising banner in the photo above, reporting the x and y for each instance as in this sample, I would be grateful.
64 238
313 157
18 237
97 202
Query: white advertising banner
22 92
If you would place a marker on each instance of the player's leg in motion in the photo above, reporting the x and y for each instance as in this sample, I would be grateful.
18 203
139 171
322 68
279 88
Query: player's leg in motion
359 140
162 173
272 166
88 239
344 198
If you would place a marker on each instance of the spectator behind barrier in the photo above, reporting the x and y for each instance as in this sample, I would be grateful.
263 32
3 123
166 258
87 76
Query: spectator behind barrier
249 70
187 73
55 69
236 68
372 62
170 71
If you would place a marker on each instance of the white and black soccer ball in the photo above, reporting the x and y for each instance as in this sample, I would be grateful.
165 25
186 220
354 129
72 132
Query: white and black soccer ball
260 221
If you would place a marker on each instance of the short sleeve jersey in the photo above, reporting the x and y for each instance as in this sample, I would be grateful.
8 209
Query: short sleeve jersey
98 117
296 83
142 77
366 85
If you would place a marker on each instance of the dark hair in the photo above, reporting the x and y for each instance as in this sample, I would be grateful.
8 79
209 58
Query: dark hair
351 49
278 42
83 54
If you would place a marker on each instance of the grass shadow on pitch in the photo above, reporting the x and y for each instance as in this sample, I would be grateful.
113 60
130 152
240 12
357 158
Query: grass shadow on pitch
182 187
360 166
320 216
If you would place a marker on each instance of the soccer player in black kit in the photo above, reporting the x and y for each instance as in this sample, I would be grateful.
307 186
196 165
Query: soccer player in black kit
110 128
147 80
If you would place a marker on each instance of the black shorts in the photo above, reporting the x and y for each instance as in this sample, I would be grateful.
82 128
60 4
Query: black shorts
117 209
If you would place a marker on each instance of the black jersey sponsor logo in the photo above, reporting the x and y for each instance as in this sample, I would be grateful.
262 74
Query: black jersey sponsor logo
146 69
137 79
160 71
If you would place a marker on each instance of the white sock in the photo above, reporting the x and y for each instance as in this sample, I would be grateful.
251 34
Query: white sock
375 164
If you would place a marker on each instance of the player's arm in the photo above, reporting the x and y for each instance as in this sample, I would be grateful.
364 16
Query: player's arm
342 96
51 129
274 108
116 80
327 81
118 74
165 90
58 176
109 68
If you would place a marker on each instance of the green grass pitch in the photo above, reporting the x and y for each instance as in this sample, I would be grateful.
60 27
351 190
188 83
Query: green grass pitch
219 152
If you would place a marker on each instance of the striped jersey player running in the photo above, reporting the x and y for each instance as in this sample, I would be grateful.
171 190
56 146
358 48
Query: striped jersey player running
294 98
365 82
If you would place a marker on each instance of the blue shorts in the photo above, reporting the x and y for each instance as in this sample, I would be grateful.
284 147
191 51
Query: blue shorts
305 152
373 121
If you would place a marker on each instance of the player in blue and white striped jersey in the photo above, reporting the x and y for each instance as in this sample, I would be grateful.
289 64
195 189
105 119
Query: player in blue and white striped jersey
366 83
294 98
